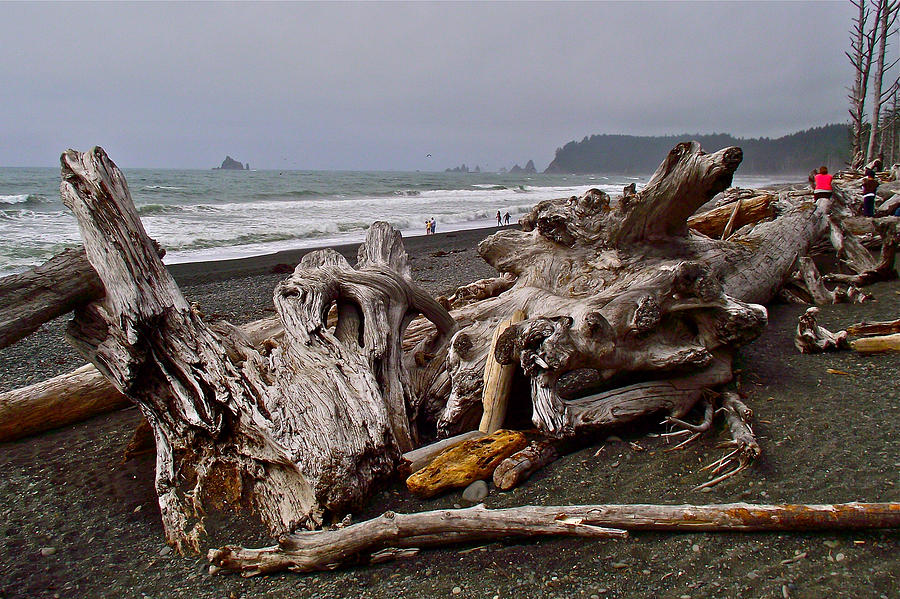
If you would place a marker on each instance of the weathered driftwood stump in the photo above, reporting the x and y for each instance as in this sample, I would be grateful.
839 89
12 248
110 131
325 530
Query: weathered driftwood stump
629 313
306 429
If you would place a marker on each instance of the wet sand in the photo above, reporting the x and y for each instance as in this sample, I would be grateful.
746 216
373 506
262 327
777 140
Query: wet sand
77 522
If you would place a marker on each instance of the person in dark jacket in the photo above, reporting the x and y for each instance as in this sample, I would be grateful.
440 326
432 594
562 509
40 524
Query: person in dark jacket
869 186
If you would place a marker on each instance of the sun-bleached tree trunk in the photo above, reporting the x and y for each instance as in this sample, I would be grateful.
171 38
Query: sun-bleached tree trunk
862 42
886 16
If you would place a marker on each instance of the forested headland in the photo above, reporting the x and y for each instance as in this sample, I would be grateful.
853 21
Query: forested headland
797 153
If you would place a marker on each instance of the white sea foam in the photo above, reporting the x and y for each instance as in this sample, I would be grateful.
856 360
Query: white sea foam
15 199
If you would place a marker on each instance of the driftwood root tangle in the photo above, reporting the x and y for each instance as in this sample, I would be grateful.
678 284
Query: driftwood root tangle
329 549
812 338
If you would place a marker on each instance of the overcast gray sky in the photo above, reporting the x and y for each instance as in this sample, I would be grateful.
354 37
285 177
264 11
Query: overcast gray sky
379 86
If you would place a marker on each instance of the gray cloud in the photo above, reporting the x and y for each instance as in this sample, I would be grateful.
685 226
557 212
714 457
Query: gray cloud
379 85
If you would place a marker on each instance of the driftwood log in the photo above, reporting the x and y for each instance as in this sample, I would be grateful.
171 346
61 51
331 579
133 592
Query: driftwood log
83 393
56 402
329 549
630 314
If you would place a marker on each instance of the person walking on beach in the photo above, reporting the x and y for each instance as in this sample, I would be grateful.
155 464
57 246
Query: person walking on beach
431 227
823 184
506 219
499 222
869 186
427 227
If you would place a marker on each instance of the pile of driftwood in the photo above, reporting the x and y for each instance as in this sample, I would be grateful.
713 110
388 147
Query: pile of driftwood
605 311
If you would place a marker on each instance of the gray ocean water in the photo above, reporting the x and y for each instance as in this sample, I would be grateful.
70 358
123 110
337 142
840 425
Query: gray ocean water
202 215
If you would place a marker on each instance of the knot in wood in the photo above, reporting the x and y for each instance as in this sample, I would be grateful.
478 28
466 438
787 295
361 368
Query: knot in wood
647 315
462 345
596 326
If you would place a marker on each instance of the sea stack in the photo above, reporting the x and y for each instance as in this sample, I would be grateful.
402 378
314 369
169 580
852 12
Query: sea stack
230 164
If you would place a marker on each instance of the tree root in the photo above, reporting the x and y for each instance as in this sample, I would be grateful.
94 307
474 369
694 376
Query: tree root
746 448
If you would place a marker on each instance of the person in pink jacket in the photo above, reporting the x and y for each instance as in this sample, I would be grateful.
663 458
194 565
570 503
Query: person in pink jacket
823 184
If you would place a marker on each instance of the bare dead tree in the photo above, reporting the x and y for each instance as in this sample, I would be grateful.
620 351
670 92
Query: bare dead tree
886 16
862 43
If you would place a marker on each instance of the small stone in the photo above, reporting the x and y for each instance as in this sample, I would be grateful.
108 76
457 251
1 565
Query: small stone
645 571
695 548
165 551
595 596
475 492
46 551
619 565
706 490
137 509
615 464
839 557
831 544
456 590
684 597
752 575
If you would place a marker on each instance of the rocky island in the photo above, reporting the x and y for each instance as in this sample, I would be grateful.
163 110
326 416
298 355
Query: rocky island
230 164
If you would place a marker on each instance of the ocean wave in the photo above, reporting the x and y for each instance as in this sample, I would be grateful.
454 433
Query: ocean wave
164 187
286 194
22 198
157 209
147 209
247 239
490 186
407 193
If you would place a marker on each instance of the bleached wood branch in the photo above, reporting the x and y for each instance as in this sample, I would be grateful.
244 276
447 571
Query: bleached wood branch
329 549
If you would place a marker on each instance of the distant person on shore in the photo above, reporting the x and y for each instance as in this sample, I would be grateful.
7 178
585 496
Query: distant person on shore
506 219
499 221
428 227
433 224
869 186
823 183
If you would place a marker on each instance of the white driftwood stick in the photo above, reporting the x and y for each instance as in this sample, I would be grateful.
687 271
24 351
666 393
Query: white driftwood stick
881 343
729 227
497 381
328 549
421 457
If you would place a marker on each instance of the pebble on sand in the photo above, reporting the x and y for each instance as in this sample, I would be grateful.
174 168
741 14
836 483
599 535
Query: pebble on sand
475 492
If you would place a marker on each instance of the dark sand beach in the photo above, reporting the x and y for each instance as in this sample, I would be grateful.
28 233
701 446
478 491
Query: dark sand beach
78 522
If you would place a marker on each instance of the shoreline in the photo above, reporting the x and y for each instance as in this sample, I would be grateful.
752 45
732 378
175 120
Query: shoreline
209 271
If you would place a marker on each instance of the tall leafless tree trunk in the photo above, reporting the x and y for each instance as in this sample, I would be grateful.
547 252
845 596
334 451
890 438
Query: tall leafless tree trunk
886 15
862 43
